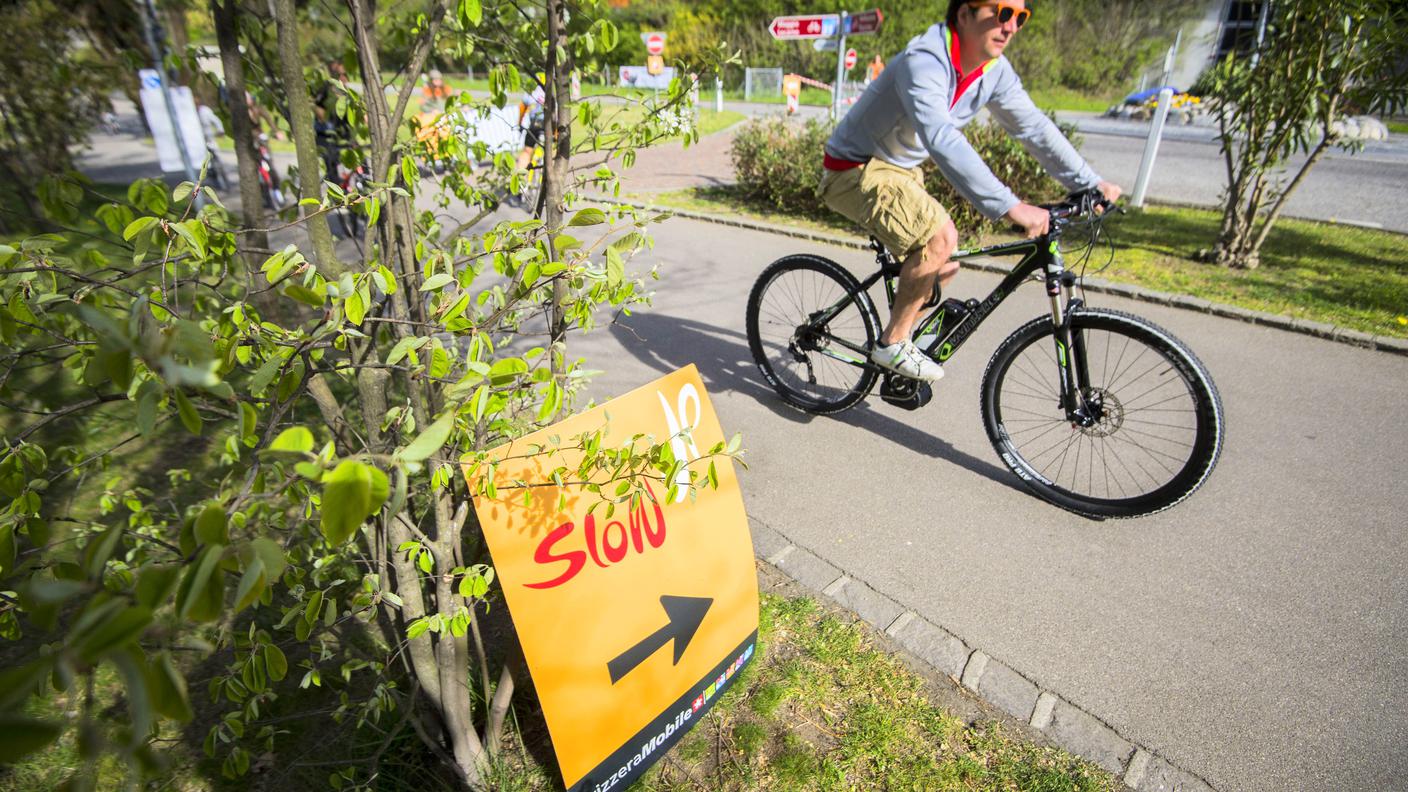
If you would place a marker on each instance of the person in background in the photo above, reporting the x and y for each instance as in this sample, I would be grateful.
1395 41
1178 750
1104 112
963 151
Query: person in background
872 72
435 91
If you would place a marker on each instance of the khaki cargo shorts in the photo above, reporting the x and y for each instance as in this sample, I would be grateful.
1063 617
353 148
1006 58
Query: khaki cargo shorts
888 201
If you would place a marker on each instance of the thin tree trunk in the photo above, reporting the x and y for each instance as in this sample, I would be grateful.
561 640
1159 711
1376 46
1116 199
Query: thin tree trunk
558 111
1285 194
242 130
300 116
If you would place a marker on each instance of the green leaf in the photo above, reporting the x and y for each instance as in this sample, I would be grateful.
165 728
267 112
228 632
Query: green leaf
355 308
265 375
21 736
249 424
294 440
587 217
275 661
404 347
304 295
425 560
114 633
347 500
252 584
212 527
201 596
437 282
470 12
417 628
271 554
137 226
168 689
430 440
189 417
155 582
615 268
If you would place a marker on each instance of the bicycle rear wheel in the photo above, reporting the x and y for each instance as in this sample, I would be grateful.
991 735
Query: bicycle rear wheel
810 327
1160 423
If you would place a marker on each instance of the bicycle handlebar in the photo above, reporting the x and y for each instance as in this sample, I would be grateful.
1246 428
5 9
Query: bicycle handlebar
1084 202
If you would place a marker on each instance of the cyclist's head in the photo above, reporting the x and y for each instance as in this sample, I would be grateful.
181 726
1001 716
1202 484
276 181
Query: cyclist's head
987 25
954 6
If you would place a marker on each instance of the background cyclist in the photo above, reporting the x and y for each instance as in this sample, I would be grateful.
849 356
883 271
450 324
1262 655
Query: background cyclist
914 110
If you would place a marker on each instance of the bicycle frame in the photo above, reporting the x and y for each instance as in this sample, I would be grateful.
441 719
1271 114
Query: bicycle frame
1038 255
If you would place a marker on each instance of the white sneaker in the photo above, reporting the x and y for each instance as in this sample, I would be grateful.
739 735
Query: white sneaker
905 358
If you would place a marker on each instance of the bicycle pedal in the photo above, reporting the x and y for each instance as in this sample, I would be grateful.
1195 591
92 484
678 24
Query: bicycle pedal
905 392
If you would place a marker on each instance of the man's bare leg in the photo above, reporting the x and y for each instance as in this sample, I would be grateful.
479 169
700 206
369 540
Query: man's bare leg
917 282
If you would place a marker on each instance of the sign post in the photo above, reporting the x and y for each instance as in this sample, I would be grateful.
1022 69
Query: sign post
634 617
840 70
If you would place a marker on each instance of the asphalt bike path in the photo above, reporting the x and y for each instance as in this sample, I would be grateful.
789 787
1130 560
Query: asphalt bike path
1252 635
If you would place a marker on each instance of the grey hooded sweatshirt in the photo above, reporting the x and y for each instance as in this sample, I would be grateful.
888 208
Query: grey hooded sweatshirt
908 115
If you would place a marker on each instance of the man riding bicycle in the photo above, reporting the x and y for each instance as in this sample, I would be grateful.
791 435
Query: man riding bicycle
913 111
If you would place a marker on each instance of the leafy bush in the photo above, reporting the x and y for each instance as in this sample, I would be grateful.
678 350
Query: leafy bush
778 163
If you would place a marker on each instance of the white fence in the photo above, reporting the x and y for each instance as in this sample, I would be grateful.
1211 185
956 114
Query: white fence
761 82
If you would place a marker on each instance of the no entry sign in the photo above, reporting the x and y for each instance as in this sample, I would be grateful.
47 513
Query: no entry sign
787 28
850 59
654 42
633 623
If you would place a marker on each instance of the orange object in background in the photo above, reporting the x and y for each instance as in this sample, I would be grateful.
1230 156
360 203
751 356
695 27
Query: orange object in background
632 624
792 89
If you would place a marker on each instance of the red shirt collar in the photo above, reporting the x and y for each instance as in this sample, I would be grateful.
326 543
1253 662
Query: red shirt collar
964 80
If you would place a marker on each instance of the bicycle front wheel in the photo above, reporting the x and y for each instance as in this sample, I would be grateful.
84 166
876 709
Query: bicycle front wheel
1159 423
810 329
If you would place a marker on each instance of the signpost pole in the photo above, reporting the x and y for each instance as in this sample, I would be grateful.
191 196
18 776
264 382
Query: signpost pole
1151 148
840 69
149 23
718 94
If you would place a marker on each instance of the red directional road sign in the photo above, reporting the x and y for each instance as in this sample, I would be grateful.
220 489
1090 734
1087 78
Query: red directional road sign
813 26
850 59
654 43
864 22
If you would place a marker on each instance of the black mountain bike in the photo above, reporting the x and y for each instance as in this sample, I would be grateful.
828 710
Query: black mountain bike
1099 412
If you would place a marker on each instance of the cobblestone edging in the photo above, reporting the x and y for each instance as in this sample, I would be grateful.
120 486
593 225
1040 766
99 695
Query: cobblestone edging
1329 332
1080 732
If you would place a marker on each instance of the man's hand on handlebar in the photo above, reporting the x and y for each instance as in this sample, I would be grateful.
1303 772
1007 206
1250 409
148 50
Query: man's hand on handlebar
1034 220
1110 190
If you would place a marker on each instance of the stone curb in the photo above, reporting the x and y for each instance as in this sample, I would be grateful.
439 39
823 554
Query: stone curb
1328 332
1005 688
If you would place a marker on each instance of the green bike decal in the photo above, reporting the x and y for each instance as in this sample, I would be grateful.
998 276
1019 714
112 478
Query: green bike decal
945 351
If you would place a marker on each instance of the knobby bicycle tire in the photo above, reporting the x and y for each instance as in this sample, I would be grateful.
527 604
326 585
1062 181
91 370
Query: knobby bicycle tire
789 291
1162 427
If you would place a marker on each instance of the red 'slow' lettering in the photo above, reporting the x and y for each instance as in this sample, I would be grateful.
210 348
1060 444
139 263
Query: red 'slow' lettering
614 542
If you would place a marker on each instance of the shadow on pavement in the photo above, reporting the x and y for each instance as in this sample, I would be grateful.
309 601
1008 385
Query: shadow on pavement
666 343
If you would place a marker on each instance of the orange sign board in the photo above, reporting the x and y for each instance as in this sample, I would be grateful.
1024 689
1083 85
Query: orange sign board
633 624
654 64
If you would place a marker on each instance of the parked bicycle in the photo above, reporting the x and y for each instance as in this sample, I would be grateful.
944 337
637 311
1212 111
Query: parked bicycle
1097 411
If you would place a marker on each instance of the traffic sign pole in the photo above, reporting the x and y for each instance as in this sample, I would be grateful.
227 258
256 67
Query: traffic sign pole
840 70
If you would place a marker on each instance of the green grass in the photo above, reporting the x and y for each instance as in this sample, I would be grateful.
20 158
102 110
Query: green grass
1065 99
1342 275
1397 127
823 708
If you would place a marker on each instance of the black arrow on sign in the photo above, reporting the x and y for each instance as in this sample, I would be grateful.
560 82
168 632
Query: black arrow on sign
686 614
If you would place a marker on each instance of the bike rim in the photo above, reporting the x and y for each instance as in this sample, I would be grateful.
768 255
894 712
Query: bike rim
1149 428
810 360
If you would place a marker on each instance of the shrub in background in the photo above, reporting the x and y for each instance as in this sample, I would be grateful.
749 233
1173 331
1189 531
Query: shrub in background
778 163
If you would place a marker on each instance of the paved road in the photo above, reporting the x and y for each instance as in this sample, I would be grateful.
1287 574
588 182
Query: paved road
1254 635
1369 187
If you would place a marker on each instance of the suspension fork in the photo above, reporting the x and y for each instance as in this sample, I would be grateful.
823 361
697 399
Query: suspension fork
1070 344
